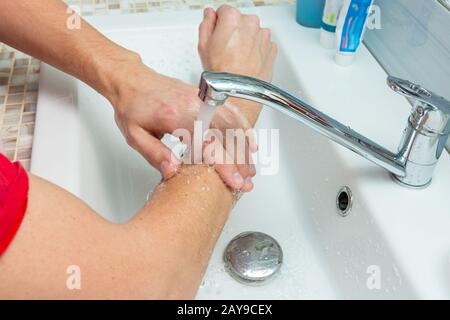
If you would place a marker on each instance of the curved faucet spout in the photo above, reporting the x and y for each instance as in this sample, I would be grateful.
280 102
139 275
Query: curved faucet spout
216 87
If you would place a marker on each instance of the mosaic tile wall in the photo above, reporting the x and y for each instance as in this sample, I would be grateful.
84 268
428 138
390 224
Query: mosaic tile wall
18 97
90 7
19 73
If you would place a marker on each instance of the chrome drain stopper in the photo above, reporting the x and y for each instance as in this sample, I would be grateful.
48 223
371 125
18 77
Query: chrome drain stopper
253 258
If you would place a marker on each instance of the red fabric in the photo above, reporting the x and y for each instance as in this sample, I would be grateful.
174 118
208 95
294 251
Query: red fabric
13 199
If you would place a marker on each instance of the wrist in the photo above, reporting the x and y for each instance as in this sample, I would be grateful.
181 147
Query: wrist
249 109
116 72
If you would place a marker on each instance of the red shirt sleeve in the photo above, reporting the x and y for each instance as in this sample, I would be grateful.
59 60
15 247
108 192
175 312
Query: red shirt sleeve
13 199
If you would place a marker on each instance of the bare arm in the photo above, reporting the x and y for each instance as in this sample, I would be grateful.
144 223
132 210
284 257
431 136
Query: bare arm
40 29
161 253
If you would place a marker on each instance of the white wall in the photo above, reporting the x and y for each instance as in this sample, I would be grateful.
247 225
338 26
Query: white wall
414 42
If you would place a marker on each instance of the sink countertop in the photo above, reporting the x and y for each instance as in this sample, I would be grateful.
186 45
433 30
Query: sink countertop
413 223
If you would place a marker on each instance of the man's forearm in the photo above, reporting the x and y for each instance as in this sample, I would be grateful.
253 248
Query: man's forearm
183 221
40 29
185 217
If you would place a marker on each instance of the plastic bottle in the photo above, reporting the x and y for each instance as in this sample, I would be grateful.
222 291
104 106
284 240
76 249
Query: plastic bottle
309 12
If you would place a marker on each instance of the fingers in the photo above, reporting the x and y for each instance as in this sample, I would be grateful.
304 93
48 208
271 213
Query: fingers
270 62
235 171
264 42
229 116
268 51
230 175
155 152
266 35
247 171
251 22
228 19
228 16
238 177
207 26
273 53
251 140
244 165
215 154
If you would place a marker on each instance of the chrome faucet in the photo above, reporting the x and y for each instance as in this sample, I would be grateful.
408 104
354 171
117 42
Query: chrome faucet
423 140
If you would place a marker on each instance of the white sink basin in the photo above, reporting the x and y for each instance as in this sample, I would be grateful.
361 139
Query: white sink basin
402 233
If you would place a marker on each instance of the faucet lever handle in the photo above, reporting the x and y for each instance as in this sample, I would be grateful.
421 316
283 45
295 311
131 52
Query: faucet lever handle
418 93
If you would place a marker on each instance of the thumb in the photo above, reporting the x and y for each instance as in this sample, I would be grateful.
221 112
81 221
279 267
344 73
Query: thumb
157 154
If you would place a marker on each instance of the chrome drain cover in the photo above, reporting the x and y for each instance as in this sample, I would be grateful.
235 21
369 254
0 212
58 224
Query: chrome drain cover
253 258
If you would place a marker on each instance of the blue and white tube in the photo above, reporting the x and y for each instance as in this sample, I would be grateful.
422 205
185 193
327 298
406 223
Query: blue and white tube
350 29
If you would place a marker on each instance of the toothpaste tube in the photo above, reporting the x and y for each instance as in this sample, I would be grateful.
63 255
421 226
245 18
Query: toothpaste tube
329 23
350 29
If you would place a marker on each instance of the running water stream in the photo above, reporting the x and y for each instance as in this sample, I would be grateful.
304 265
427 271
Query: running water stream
205 116
203 123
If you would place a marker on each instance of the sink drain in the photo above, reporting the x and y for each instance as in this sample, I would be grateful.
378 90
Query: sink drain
253 258
344 201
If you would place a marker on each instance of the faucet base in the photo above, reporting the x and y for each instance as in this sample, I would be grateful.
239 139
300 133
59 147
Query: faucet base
410 186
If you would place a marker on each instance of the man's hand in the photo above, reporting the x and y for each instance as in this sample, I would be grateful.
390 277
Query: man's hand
233 42
148 105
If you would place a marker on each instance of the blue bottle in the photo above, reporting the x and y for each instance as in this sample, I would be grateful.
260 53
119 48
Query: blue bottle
310 12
